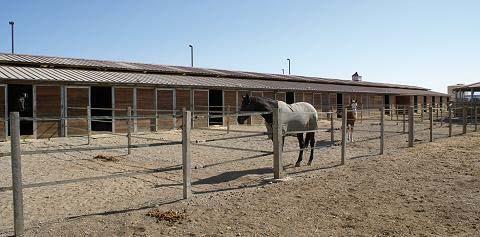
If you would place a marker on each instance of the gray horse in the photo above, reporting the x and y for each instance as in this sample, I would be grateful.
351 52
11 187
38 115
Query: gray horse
299 116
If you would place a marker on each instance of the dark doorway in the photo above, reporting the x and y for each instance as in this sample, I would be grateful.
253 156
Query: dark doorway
290 97
387 104
20 99
415 103
101 104
339 104
215 106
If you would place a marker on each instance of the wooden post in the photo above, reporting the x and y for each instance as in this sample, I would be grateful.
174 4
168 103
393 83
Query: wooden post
228 119
430 112
441 116
382 129
421 113
464 119
89 124
396 112
410 126
475 116
390 112
449 120
277 144
437 112
129 129
186 154
16 173
404 122
361 114
344 135
332 127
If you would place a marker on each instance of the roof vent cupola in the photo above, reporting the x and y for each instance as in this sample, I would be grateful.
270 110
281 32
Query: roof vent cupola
356 77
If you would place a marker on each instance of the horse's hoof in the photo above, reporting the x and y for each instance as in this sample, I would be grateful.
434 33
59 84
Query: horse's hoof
309 163
297 164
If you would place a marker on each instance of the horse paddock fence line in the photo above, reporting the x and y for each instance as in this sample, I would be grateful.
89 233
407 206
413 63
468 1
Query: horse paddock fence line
405 118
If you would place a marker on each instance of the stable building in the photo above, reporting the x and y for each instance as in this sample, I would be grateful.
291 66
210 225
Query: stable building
55 95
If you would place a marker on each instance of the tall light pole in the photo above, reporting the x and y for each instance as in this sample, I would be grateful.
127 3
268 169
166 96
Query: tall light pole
288 66
13 44
191 54
283 71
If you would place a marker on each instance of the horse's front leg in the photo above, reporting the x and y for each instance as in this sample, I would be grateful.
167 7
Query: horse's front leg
301 144
310 138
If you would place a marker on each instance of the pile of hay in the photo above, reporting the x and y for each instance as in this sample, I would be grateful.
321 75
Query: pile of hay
105 158
170 216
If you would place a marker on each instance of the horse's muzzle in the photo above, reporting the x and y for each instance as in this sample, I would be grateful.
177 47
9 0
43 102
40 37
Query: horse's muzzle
242 119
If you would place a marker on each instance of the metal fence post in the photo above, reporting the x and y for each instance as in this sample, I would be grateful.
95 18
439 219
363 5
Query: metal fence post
16 173
410 126
430 112
382 129
464 120
332 127
450 120
89 124
344 135
404 122
186 154
129 129
228 119
277 144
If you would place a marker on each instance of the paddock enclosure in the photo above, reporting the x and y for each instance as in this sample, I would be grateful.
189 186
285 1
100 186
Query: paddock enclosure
103 137
77 177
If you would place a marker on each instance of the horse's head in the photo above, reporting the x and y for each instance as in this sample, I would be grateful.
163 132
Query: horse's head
247 105
257 104
22 100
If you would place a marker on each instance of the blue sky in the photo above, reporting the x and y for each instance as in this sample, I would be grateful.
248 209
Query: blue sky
426 43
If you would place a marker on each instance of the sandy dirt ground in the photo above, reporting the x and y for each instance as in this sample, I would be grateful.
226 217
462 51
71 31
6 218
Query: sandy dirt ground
431 189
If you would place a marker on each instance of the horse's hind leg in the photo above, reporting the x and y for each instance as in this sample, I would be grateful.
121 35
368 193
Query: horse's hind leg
310 138
301 144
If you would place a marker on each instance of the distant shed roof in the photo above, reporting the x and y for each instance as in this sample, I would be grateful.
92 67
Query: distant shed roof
48 69
475 85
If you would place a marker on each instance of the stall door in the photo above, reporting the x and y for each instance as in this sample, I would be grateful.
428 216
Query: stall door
165 109
77 100
48 111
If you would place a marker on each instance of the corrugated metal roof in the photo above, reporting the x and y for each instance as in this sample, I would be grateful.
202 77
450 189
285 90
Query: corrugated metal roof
92 77
475 85
73 63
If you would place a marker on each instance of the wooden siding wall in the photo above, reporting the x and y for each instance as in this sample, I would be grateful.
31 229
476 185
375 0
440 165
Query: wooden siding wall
200 107
145 108
308 97
123 100
3 135
269 94
375 101
230 99
182 98
281 96
48 107
298 96
333 101
165 109
77 121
